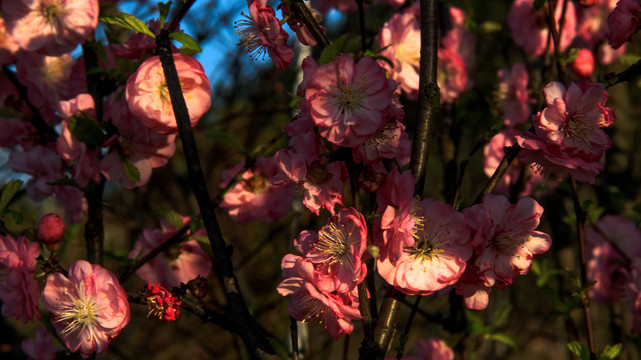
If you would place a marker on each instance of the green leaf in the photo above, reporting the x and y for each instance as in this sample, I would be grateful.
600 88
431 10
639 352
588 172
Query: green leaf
170 216
16 216
7 112
86 130
9 190
225 138
506 339
188 42
131 170
163 8
538 4
501 315
476 325
572 55
611 352
579 350
128 22
332 51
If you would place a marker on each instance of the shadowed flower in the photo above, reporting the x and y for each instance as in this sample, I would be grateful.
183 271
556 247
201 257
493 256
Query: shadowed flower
18 286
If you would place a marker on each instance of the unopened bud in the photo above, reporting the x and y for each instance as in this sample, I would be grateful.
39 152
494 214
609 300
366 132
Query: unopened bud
51 228
373 251
198 287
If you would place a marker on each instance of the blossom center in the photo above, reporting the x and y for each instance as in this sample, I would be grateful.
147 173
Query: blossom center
250 38
51 13
348 99
81 313
332 241
573 129
313 308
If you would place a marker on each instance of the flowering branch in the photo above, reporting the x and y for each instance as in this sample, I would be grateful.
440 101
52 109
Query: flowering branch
428 107
241 320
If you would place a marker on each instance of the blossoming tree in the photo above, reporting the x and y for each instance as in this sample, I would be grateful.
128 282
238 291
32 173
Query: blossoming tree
356 181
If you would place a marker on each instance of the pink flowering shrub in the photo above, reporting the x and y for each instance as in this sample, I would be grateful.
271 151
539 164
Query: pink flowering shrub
88 307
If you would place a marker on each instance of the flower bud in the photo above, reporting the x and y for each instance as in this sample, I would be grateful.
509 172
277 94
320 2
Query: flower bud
51 228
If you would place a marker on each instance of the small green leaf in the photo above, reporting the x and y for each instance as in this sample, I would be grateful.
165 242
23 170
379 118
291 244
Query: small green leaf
163 8
9 190
332 51
572 55
16 216
506 339
131 170
476 325
225 138
611 352
170 216
501 315
579 350
86 130
7 112
188 42
128 22
538 4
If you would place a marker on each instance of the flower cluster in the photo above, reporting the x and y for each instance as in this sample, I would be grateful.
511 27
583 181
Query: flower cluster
161 302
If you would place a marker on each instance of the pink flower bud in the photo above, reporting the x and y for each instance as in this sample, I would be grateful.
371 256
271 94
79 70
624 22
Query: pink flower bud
51 228
583 65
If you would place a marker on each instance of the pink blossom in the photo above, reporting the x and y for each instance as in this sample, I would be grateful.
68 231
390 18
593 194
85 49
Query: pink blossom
86 162
334 311
181 263
88 308
40 348
336 251
574 118
439 253
452 76
324 185
530 29
51 27
400 222
261 32
583 65
592 23
513 94
46 78
569 138
45 165
18 286
8 47
623 22
472 288
349 101
612 242
17 132
136 143
254 197
400 39
504 237
433 349
391 142
148 94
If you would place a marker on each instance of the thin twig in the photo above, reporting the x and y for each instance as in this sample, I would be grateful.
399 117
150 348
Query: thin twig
185 5
177 237
510 154
94 228
585 299
293 329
